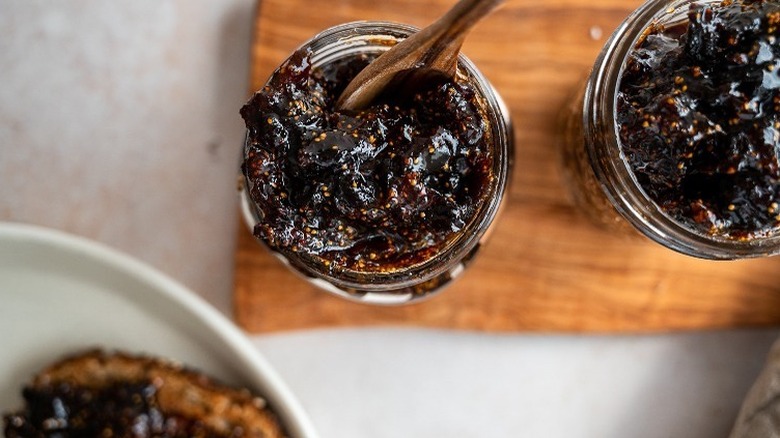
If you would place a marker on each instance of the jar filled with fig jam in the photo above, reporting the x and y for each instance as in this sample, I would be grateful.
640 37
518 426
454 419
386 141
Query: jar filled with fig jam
676 131
386 204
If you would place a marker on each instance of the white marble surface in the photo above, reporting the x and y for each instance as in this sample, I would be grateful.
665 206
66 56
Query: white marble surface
119 122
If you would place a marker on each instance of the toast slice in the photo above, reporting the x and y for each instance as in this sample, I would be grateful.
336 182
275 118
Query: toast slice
119 395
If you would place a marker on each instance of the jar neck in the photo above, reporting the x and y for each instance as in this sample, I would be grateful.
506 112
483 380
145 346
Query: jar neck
610 166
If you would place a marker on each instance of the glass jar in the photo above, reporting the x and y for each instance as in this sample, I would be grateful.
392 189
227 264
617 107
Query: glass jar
596 170
423 279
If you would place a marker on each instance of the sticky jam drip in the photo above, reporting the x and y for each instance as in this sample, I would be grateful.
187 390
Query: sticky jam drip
697 113
372 191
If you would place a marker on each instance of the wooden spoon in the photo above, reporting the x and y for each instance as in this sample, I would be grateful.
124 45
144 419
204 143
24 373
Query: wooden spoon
433 50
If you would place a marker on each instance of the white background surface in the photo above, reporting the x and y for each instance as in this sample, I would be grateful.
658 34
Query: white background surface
119 122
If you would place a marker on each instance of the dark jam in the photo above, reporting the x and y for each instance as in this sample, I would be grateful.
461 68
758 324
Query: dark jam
371 191
697 112
122 409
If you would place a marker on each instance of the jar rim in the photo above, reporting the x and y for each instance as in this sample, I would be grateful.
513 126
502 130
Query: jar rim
325 46
608 161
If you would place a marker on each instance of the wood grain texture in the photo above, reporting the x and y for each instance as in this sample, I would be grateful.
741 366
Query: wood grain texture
545 268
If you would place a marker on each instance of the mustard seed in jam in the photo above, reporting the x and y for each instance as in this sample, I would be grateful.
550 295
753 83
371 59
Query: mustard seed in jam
698 114
373 191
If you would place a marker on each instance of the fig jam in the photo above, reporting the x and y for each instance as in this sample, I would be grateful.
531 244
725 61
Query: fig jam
376 190
697 115
122 409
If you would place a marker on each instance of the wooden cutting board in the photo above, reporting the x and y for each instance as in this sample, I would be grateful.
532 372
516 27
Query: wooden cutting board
545 268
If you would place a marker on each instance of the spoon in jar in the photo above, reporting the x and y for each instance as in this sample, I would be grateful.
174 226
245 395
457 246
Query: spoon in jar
433 51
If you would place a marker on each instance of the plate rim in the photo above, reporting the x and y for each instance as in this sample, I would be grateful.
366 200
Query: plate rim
286 405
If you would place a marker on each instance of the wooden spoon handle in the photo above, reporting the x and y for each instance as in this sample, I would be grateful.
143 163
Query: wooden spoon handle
434 48
462 16
444 37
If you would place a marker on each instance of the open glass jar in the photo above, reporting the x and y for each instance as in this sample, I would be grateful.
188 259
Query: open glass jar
600 162
431 268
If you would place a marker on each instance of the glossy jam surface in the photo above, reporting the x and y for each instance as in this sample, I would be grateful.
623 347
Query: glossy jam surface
697 113
123 409
372 191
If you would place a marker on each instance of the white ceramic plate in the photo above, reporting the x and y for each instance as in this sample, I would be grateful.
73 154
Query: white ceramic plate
60 294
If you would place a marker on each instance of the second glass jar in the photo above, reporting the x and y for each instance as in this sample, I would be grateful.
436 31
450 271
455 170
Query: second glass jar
595 165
